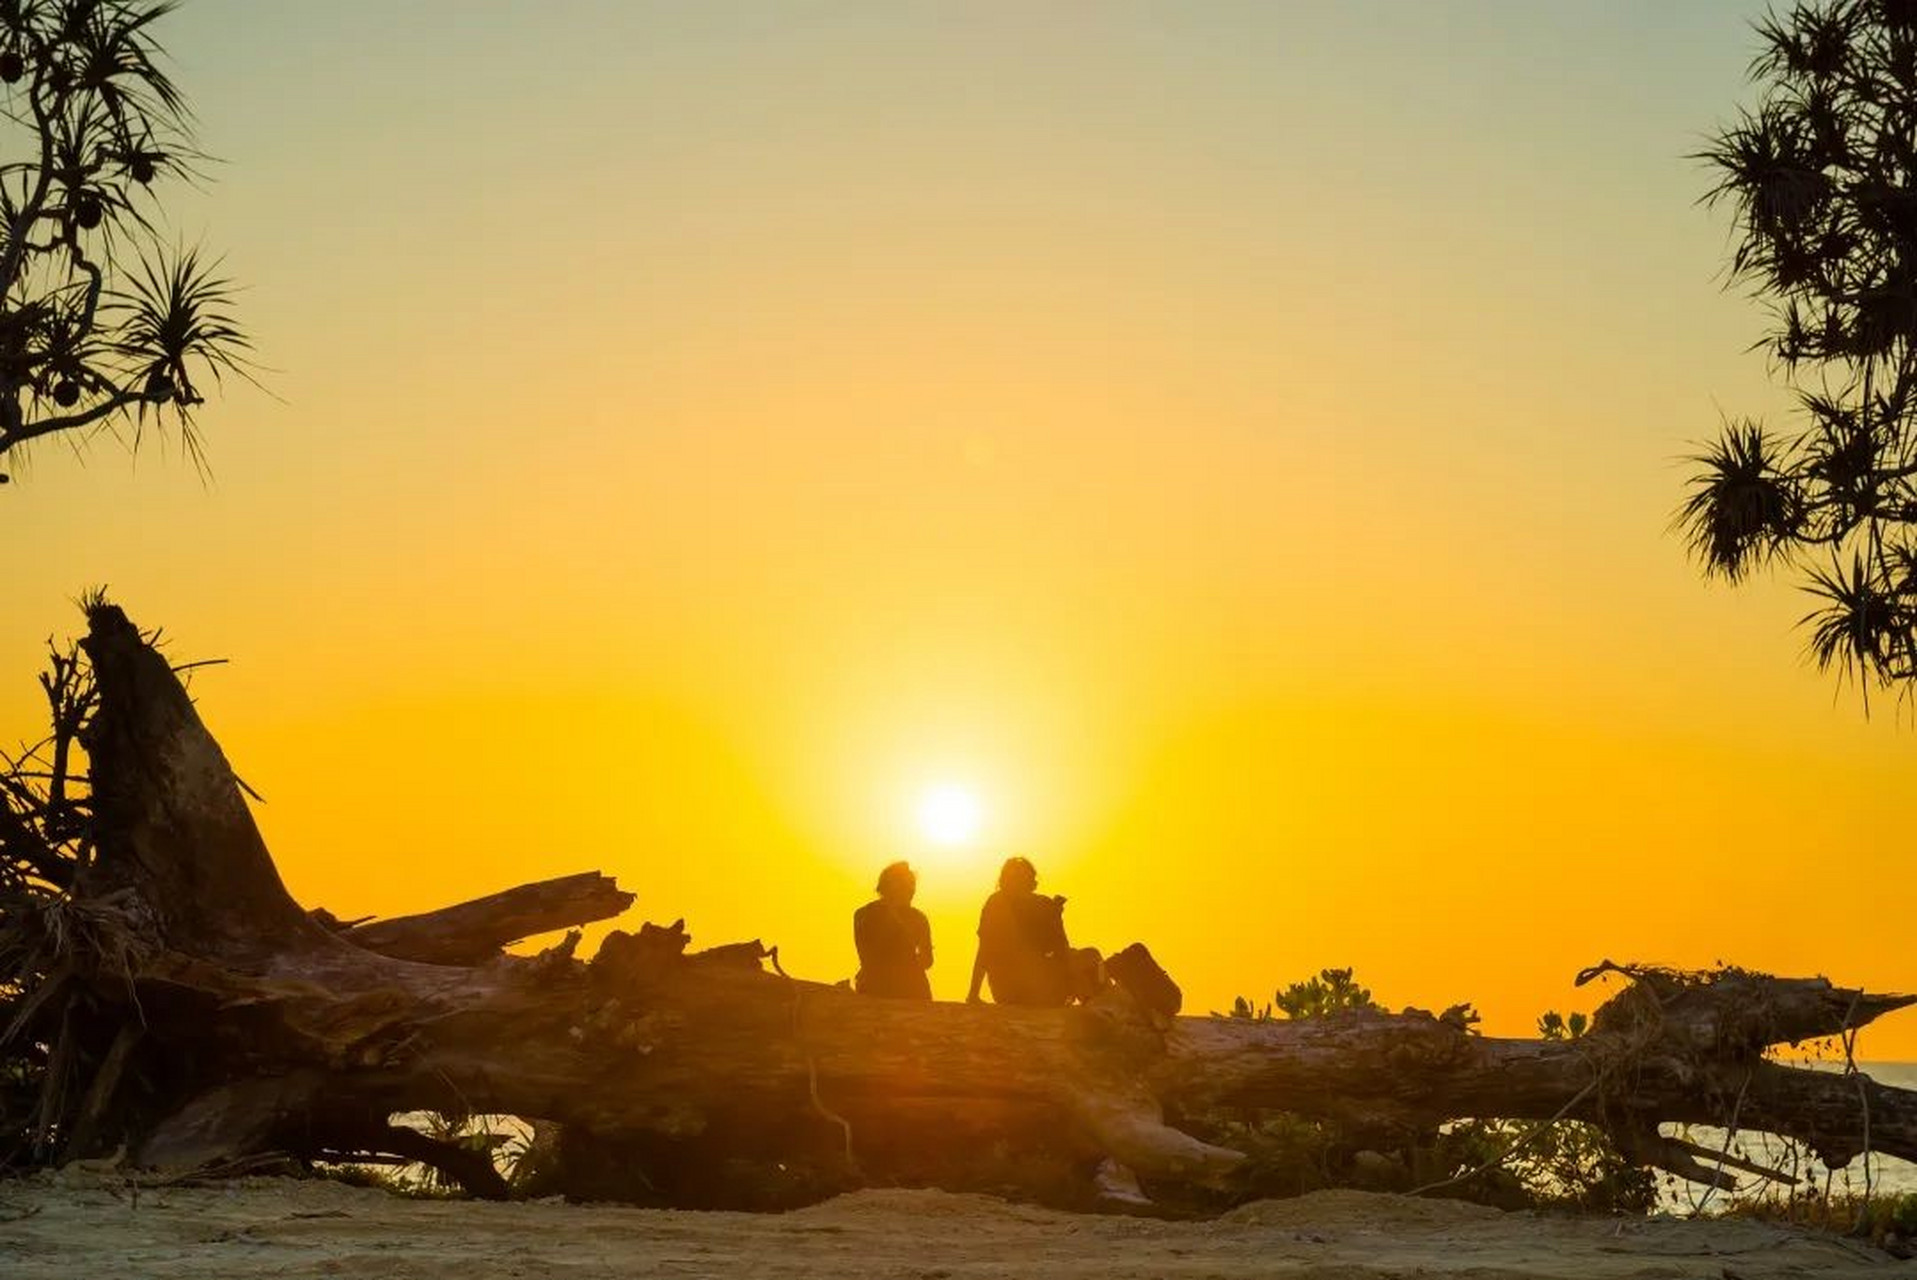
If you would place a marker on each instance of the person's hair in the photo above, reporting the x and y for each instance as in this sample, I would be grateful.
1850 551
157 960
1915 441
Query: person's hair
895 872
1018 871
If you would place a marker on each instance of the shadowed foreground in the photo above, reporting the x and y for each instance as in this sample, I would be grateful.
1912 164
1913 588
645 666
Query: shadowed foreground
271 1227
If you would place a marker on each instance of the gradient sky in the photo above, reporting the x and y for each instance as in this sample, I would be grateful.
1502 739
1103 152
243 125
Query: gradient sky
1239 440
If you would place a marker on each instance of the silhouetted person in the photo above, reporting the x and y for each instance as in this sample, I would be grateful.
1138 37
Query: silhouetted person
894 940
1022 949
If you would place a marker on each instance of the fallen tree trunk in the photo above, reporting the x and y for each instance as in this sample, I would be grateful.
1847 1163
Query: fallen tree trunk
477 931
265 1030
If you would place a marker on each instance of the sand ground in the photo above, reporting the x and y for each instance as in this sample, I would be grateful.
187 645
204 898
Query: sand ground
66 1228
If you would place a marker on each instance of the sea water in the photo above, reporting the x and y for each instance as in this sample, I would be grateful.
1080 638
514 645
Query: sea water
1877 1174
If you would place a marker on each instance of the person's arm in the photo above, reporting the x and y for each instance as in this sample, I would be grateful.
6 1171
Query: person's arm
862 934
991 935
925 941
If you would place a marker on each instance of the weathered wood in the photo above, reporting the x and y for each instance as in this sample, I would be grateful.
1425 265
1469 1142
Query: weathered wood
684 1048
477 931
182 837
1733 1010
266 1031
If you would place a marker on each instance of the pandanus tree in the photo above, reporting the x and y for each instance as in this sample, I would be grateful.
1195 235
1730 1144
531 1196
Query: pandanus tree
1822 178
102 325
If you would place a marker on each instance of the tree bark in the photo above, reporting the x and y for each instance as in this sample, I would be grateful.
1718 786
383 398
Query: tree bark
474 932
264 1030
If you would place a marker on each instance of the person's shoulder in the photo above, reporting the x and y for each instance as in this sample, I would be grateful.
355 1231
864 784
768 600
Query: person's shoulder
995 911
1042 906
869 909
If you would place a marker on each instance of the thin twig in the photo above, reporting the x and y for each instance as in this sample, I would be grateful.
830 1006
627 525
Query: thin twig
812 1064
1522 1141
1848 1037
1730 1135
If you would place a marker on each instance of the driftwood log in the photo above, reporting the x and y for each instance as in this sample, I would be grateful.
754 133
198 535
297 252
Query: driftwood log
477 931
198 1017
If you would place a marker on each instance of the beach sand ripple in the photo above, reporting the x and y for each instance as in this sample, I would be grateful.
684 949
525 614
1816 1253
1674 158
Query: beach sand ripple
55 1227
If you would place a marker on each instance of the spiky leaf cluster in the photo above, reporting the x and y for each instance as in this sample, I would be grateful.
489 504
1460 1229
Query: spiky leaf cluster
1822 178
101 325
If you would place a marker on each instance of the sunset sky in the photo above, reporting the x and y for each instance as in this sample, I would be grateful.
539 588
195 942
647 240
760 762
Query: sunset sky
1235 442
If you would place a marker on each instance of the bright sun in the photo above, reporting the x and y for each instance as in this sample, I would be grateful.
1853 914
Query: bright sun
949 814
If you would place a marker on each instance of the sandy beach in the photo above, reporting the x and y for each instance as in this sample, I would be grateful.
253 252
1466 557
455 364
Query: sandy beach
53 1229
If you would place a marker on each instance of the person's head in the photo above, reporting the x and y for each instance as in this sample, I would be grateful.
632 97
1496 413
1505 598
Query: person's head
897 883
1018 875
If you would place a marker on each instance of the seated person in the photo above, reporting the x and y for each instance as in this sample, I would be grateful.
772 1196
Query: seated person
1022 948
894 940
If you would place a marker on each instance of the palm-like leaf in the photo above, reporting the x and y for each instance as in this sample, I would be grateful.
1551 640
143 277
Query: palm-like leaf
1743 507
98 325
1864 628
1822 176
178 316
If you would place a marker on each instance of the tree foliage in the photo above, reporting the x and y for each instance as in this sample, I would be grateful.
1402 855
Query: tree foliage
1822 178
102 326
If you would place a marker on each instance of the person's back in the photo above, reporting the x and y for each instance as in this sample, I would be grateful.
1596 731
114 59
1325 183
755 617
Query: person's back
1022 949
894 940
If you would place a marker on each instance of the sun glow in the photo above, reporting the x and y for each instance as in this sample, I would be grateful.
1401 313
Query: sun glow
949 815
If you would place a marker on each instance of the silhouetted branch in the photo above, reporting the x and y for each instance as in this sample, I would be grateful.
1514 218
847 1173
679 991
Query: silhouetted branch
474 932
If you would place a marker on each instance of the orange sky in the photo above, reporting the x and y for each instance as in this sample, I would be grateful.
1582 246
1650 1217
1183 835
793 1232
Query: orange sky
1236 440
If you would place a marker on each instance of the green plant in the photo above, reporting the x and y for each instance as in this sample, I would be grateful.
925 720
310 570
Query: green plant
1331 991
1555 1163
1889 1222
1553 1025
504 1140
